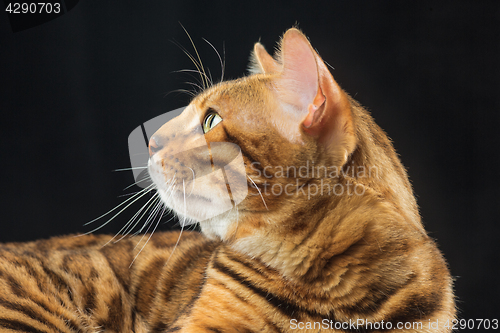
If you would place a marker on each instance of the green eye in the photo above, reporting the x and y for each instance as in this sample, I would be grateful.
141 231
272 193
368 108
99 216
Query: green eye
211 120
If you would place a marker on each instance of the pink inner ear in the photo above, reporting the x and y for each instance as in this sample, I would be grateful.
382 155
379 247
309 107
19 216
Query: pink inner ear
312 102
299 82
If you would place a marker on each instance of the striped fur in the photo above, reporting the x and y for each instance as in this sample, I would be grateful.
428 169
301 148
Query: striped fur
276 262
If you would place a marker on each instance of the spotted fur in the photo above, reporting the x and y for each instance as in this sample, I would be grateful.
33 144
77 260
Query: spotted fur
274 262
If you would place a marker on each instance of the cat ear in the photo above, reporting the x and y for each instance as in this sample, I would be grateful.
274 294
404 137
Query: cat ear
262 62
317 105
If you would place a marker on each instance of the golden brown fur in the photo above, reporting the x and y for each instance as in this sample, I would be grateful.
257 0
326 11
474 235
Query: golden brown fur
277 262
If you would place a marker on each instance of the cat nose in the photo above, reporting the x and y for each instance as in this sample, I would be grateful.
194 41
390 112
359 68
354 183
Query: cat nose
154 146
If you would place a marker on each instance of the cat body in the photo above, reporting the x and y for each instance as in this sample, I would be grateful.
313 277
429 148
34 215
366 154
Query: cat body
328 237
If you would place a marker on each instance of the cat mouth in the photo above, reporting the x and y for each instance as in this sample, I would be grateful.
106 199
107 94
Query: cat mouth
178 195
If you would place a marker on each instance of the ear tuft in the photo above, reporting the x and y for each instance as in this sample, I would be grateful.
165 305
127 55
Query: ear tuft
262 62
254 65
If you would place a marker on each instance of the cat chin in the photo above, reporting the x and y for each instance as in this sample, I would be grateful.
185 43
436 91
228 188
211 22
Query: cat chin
191 208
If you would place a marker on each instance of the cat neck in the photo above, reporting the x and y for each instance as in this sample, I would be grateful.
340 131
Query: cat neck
298 248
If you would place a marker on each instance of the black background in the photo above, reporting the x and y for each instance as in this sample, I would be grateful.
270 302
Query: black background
72 90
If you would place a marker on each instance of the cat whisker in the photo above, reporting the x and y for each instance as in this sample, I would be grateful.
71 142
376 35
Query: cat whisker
148 223
199 84
180 233
192 83
171 184
176 244
328 64
141 193
264 201
152 216
170 187
147 241
128 227
198 65
132 200
186 52
185 206
195 86
209 83
222 63
128 169
210 76
127 194
190 93
191 71
155 213
192 187
206 80
137 182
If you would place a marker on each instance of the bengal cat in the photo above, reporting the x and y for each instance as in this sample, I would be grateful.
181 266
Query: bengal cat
323 233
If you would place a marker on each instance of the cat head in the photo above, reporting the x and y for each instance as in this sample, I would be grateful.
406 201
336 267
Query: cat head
241 158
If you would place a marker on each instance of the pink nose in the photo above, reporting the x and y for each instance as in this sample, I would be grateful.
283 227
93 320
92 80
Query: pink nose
154 147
